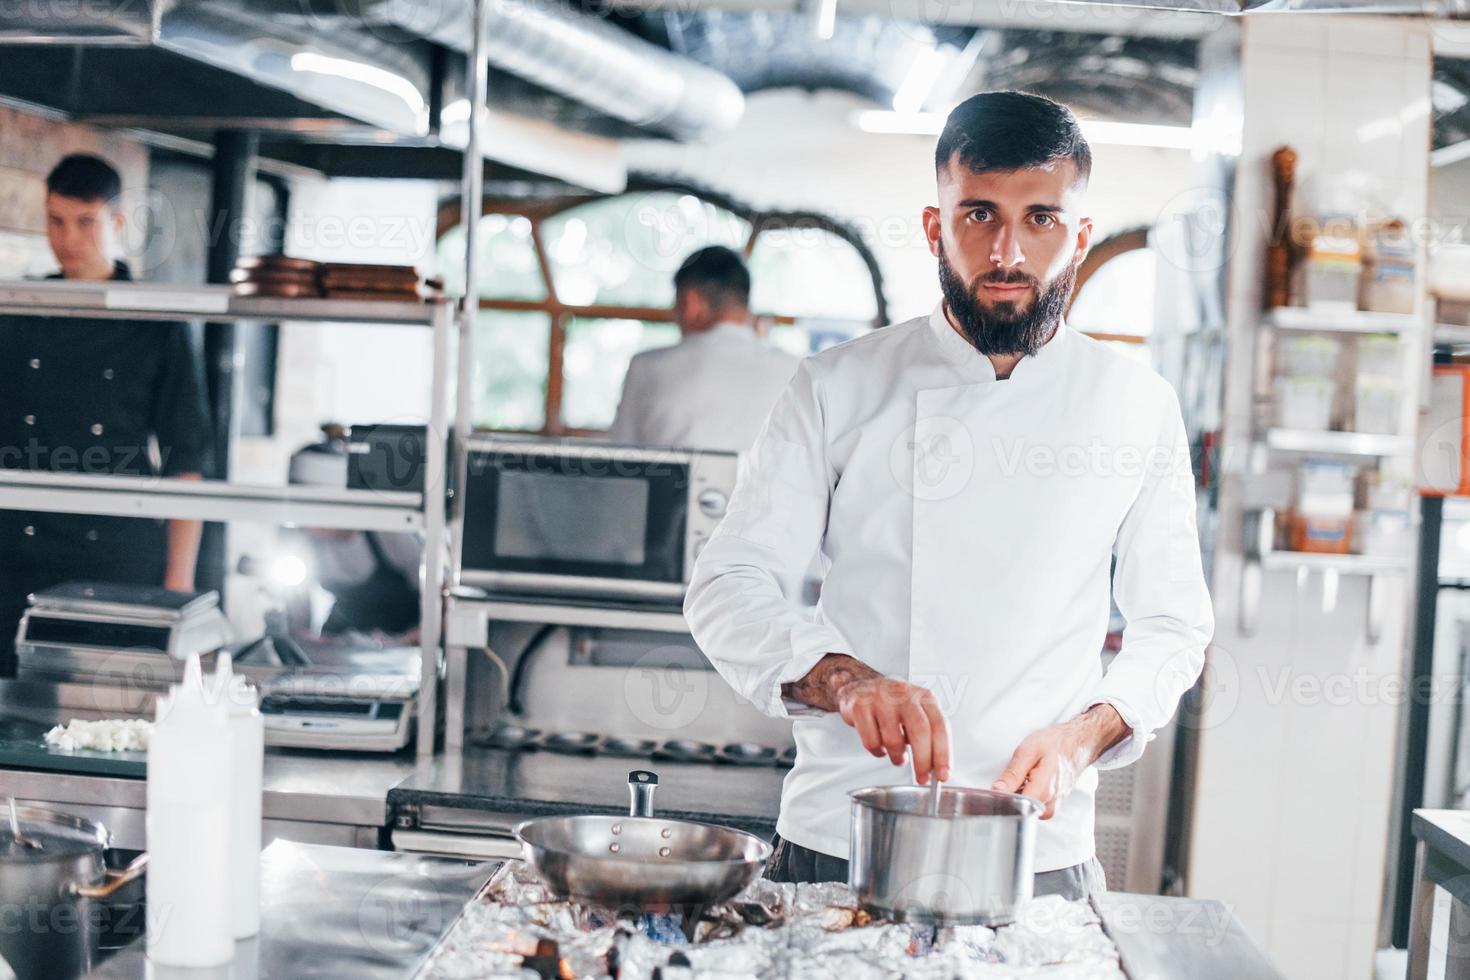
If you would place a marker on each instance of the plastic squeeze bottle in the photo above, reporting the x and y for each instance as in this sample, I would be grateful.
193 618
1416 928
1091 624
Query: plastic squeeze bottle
247 755
189 821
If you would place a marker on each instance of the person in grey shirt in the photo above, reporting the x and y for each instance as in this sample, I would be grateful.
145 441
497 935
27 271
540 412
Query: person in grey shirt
714 388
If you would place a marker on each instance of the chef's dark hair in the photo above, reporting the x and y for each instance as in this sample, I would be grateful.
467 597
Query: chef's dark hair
1012 131
717 272
85 178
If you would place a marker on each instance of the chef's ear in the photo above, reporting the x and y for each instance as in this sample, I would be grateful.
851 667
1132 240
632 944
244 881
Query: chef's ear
932 229
1084 241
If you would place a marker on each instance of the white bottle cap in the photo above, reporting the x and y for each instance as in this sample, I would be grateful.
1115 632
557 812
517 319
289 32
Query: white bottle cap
232 689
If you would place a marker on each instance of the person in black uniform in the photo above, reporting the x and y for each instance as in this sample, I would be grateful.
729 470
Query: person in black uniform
94 397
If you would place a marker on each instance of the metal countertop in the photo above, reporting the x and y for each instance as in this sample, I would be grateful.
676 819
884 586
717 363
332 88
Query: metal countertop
335 912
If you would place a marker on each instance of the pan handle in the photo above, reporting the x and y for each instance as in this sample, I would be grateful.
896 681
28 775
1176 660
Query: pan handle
114 880
641 784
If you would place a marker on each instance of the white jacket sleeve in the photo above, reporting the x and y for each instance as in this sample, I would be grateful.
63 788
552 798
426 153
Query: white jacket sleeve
752 631
1159 587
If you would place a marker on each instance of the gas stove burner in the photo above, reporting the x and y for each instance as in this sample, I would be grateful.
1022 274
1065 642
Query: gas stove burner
748 754
787 759
628 746
582 743
510 737
686 750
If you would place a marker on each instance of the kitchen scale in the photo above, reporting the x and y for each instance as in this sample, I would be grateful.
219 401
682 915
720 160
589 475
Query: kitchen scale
344 699
137 636
133 640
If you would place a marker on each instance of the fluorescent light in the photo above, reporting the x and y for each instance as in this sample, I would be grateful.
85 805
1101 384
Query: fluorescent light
357 71
900 123
1446 155
1138 134
919 81
1097 131
593 162
823 17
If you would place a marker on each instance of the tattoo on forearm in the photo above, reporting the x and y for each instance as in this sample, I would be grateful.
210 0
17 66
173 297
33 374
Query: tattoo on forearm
819 688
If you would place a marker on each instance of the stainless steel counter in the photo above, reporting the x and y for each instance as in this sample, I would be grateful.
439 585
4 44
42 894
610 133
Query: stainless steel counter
314 796
336 912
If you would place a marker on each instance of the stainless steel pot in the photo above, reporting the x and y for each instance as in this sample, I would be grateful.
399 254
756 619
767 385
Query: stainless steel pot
641 861
968 863
51 880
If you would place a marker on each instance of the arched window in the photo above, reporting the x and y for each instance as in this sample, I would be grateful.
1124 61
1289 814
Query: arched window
570 290
1114 299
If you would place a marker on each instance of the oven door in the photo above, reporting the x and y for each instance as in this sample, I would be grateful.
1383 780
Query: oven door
452 832
576 520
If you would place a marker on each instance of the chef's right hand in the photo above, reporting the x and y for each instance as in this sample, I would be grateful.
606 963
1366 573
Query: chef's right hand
889 713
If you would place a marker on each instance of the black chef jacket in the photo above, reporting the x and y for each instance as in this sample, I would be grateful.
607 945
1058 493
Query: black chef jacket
92 397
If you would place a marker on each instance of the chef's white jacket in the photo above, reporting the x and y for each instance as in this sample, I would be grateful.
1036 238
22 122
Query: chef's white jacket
966 526
712 390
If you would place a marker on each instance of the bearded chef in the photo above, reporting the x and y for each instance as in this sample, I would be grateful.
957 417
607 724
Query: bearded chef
970 477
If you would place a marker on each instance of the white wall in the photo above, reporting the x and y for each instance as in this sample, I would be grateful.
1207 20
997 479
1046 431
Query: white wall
799 150
1298 749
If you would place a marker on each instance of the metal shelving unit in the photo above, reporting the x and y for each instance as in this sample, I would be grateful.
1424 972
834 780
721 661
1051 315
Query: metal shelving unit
1341 564
1339 321
367 510
1336 443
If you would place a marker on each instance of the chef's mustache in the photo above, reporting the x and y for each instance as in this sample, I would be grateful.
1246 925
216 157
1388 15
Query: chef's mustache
1002 278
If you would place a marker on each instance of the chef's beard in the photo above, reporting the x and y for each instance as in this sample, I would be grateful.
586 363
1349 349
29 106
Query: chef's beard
1003 329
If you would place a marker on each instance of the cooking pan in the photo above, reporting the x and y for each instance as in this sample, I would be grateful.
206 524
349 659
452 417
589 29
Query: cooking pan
641 861
942 856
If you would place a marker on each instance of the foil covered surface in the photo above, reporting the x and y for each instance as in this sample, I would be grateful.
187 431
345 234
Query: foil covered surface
798 932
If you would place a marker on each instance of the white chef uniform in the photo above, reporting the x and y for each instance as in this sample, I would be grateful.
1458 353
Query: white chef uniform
712 390
967 526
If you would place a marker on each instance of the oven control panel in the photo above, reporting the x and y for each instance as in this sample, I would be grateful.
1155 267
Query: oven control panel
711 482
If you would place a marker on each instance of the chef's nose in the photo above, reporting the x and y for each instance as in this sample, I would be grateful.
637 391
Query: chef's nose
1005 250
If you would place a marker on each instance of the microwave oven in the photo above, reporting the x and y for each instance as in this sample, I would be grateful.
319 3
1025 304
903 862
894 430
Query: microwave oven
589 519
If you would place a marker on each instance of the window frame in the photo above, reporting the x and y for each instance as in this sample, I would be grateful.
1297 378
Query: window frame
537 212
1120 243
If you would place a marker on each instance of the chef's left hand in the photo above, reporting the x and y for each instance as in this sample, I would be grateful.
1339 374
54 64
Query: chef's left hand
1047 763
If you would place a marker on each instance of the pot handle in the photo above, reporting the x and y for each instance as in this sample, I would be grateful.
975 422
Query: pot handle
114 880
641 784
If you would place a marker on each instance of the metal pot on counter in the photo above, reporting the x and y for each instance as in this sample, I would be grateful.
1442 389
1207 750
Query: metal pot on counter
956 857
52 877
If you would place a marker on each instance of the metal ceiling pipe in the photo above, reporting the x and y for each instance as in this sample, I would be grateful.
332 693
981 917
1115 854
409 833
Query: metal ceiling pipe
349 72
131 23
346 71
581 57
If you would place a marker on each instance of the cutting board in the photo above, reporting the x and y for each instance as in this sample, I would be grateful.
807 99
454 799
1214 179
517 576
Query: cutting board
23 746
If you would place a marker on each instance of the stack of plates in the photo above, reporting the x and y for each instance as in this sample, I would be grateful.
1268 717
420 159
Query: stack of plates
284 277
275 275
388 283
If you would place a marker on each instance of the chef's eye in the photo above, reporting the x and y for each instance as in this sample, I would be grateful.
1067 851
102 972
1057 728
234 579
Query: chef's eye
1044 220
980 214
